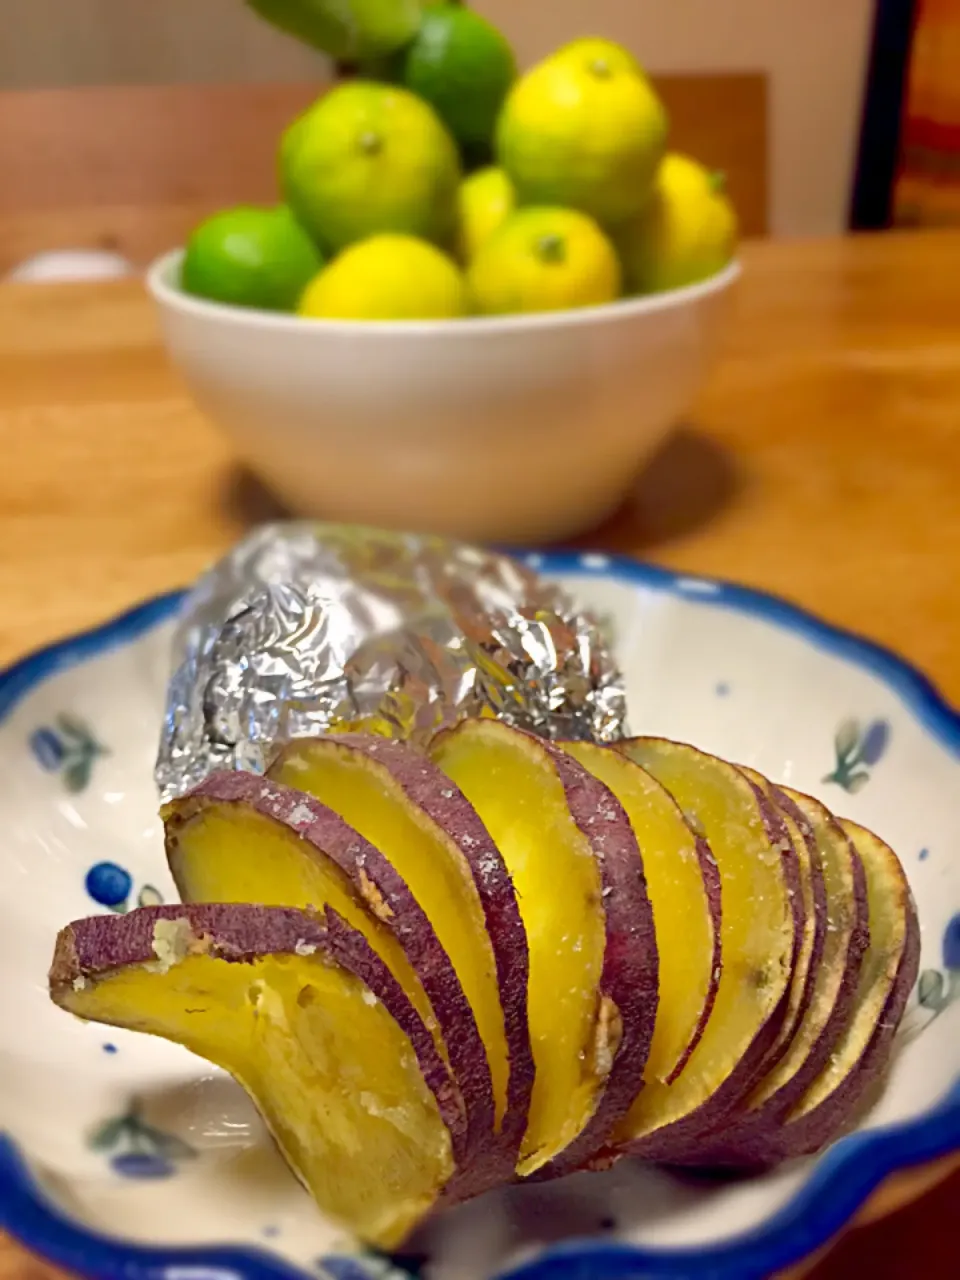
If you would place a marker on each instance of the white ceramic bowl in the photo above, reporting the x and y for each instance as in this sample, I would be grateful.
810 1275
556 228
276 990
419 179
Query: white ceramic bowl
522 429
125 1158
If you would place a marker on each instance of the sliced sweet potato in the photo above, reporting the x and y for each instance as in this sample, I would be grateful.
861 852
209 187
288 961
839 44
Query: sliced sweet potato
759 937
684 888
846 937
861 1054
804 878
307 1018
433 838
242 838
569 847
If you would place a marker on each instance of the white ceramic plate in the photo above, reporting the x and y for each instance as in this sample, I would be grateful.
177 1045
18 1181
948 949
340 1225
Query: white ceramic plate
128 1157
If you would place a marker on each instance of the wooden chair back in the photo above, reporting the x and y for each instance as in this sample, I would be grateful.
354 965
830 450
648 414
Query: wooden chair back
132 169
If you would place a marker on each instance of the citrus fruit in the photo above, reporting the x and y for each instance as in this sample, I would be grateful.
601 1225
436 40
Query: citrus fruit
388 277
484 202
462 66
544 260
345 29
687 232
250 257
369 158
584 130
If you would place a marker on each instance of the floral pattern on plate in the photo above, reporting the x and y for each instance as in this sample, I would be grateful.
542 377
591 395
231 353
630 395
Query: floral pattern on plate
69 748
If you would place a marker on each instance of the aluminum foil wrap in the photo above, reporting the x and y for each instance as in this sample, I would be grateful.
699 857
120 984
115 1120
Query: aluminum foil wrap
305 627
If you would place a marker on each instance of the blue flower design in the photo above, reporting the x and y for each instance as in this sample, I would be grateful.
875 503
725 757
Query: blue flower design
109 885
67 747
951 944
936 990
47 749
142 1164
874 742
855 747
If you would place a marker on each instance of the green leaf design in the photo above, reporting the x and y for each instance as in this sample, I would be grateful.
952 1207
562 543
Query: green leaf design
76 776
847 738
149 897
107 1135
856 782
930 990
73 727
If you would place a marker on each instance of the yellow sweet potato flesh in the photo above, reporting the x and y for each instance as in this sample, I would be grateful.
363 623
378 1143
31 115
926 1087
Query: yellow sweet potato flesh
365 795
232 854
514 787
333 1075
838 882
681 911
801 971
886 892
757 932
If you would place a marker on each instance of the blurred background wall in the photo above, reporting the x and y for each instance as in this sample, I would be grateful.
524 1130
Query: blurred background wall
813 51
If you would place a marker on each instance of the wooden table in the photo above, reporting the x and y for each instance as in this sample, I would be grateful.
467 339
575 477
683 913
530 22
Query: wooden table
823 463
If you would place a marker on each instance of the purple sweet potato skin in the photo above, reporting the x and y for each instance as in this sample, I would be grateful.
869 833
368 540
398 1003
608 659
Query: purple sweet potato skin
324 832
738 1143
818 889
813 1131
92 949
710 874
779 836
681 1142
428 788
630 974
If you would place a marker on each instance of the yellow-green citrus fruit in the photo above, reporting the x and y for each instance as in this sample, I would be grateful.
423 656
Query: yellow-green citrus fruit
345 29
462 65
584 130
388 277
484 202
250 257
687 233
544 259
370 158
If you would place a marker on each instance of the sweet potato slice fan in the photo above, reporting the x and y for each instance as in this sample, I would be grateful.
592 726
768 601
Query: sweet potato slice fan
439 971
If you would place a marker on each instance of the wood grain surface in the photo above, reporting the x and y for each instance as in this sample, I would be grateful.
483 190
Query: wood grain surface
823 463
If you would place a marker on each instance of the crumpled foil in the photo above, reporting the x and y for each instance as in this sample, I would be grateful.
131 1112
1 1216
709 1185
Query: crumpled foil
305 627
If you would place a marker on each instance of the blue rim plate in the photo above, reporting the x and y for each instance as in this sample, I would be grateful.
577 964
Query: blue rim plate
844 1179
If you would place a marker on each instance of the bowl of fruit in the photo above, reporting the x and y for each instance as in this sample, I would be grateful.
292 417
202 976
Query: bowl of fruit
471 273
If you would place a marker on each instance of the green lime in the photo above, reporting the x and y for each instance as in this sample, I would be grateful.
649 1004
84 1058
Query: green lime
584 130
250 257
388 277
345 29
370 158
462 66
544 260
686 233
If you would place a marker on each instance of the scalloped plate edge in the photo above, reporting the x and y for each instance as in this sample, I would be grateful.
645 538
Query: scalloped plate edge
843 1180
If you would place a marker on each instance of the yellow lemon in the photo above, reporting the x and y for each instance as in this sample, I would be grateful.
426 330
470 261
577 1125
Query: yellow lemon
388 277
687 233
370 158
484 202
584 130
544 260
